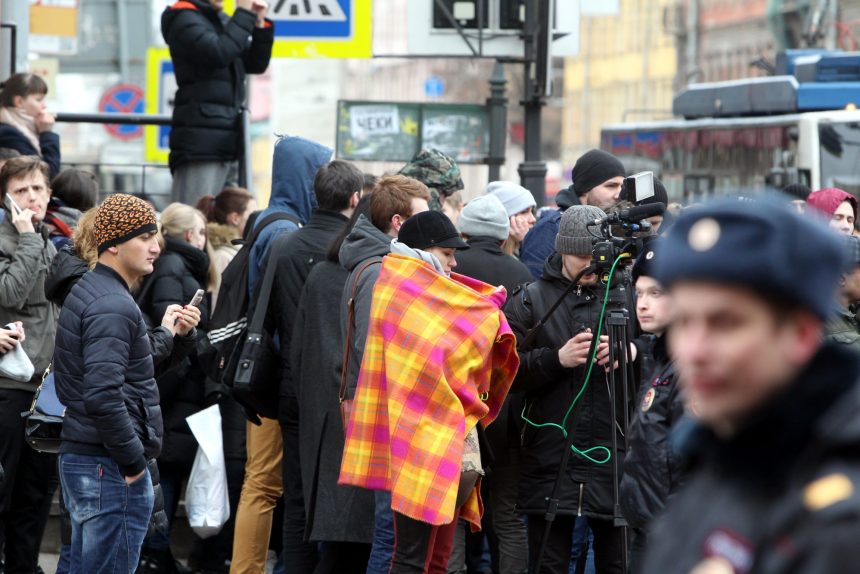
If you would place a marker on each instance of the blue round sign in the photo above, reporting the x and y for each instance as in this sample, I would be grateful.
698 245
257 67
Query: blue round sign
434 87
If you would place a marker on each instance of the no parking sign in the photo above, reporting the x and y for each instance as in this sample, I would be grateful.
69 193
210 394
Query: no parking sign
123 99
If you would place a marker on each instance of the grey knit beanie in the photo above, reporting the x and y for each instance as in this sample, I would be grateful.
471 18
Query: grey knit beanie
573 236
514 197
485 216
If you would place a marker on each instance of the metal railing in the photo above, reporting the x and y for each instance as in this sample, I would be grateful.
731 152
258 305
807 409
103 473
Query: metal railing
157 120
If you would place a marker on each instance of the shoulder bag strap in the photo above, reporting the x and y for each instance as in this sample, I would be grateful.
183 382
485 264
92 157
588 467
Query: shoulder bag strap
265 293
350 306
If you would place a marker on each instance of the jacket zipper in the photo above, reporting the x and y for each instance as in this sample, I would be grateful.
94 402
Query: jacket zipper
579 507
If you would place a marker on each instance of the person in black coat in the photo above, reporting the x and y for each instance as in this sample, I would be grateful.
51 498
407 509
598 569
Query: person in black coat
67 268
211 54
652 468
485 226
339 516
25 124
774 479
179 272
104 370
551 374
336 188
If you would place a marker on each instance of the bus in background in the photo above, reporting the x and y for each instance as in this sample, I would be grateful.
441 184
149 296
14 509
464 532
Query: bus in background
753 134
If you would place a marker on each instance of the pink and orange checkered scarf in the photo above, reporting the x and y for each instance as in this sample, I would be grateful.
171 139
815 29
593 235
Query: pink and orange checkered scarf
439 358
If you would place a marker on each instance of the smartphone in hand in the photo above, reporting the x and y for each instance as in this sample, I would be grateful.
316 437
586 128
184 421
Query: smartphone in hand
13 207
198 297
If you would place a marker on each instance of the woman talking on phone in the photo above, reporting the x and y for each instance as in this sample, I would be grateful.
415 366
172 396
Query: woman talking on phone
179 273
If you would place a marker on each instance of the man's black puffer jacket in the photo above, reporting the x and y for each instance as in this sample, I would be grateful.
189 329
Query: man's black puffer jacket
211 54
549 390
66 270
105 374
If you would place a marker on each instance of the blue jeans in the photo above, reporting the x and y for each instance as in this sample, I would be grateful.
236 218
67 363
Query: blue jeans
383 534
109 517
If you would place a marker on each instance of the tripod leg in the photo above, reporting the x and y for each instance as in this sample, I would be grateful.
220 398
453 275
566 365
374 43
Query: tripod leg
617 336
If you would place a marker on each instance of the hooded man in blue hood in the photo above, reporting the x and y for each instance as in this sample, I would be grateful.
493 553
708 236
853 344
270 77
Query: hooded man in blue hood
294 167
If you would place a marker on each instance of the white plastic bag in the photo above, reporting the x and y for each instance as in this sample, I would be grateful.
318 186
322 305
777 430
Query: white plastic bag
206 500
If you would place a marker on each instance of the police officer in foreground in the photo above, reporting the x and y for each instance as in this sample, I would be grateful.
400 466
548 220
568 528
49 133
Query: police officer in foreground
776 449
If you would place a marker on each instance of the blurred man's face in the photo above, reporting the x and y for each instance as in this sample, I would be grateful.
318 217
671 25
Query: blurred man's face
732 351
843 218
604 194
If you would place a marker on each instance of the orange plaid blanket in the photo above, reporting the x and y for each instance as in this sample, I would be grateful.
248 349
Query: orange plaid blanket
439 358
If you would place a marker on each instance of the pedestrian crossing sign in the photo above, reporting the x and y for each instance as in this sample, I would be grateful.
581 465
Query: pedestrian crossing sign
160 92
320 28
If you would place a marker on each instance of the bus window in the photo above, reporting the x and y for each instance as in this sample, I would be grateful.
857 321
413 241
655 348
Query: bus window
840 155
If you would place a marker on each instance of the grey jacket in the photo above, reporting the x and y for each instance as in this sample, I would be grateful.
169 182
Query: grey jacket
24 262
365 243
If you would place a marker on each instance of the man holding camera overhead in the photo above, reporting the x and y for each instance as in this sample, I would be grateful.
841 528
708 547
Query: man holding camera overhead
551 374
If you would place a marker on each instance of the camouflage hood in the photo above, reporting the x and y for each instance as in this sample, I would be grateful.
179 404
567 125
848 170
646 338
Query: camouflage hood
437 171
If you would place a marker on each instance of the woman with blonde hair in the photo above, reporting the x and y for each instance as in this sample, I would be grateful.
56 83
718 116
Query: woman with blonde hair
182 268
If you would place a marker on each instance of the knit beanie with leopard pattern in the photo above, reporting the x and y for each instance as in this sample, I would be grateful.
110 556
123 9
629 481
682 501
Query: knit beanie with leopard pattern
122 217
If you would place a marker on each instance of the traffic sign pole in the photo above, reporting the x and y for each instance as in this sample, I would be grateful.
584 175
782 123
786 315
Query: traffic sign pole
537 29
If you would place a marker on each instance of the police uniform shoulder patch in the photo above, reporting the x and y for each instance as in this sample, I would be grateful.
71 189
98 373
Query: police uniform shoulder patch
827 491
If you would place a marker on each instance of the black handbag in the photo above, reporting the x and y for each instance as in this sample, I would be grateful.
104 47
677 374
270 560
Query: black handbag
44 420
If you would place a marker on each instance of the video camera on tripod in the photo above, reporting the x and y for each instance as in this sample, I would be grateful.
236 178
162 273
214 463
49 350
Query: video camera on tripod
621 231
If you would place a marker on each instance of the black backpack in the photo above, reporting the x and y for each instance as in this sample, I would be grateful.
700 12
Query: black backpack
220 352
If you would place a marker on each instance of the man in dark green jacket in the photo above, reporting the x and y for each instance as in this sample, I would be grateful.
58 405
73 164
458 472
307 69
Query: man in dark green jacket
25 256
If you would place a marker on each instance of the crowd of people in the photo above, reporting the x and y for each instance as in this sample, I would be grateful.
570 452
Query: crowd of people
428 379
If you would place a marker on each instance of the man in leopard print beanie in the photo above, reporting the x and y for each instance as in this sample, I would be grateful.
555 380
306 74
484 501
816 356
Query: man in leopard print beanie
122 217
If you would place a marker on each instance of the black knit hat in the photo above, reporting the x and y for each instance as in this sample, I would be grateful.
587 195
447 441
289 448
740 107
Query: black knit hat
430 229
593 168
574 237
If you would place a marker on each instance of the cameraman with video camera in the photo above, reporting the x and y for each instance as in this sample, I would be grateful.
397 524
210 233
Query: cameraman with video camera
552 369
